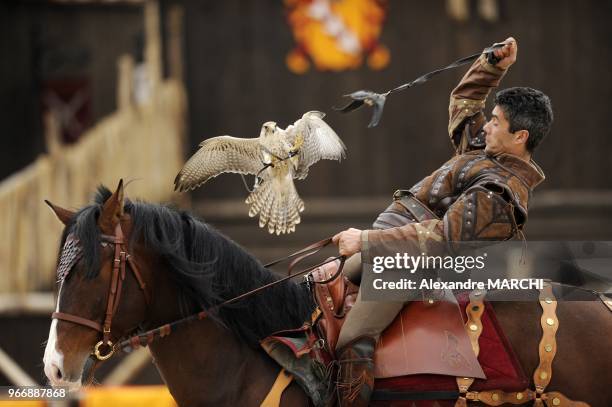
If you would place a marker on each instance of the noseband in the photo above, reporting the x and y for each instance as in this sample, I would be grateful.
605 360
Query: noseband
117 277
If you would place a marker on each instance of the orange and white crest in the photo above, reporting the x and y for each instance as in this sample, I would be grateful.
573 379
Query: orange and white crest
336 35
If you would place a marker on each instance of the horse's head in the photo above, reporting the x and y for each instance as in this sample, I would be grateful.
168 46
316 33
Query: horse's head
97 279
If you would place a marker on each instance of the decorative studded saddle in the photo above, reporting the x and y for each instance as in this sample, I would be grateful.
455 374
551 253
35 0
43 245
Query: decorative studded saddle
420 356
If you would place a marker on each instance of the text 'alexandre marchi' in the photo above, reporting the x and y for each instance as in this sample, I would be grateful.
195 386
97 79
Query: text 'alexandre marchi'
431 284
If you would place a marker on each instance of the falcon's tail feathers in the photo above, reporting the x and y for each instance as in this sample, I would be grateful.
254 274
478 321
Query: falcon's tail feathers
279 212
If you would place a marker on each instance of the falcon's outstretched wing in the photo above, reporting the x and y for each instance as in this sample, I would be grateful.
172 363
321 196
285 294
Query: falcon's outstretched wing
218 155
315 140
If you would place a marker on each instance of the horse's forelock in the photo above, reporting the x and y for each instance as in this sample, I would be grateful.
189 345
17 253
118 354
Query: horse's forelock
86 230
102 194
84 226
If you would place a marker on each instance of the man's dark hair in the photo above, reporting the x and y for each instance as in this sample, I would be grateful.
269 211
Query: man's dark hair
526 109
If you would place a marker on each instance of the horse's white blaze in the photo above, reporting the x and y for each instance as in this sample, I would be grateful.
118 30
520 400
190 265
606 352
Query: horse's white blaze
54 358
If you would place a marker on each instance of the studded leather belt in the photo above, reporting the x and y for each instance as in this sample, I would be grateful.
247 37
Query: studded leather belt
419 210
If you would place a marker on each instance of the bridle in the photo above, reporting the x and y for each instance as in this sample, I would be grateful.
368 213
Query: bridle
117 278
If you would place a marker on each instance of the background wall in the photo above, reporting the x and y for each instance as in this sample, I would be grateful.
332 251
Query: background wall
236 79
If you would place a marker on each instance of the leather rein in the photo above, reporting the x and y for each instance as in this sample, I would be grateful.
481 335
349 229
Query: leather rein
122 257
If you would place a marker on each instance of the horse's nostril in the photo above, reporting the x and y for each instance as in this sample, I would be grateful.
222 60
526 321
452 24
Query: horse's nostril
56 373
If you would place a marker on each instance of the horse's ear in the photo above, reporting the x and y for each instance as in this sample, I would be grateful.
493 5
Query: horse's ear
64 215
112 210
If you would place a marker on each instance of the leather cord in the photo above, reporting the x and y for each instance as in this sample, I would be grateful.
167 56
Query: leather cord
377 100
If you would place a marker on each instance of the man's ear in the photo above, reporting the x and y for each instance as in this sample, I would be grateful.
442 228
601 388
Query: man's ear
112 211
521 137
64 215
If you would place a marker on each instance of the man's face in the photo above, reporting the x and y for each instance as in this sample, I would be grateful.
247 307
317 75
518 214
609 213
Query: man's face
498 137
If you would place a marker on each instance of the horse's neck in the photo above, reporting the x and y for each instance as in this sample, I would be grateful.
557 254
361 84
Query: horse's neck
203 363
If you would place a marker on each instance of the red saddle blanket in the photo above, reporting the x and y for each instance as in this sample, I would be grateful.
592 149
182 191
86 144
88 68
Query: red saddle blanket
497 358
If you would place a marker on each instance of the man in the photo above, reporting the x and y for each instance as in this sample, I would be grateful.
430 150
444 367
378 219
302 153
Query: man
482 193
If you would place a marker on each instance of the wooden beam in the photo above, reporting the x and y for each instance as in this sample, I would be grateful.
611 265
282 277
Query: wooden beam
14 372
235 209
32 303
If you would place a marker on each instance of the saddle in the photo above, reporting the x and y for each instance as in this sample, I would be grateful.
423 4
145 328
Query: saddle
426 337
424 349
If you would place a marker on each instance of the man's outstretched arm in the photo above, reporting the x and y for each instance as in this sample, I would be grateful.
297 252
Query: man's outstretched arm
471 91
467 100
495 220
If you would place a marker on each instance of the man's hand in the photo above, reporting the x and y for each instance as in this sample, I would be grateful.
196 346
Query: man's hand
506 54
348 241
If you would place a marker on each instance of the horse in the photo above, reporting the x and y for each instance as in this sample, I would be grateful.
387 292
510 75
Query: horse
177 265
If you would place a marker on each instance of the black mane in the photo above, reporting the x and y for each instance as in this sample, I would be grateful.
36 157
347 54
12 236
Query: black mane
207 267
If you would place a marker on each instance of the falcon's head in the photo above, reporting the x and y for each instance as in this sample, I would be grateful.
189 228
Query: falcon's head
268 129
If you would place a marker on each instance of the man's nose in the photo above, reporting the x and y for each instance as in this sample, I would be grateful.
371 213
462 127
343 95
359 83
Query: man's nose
486 127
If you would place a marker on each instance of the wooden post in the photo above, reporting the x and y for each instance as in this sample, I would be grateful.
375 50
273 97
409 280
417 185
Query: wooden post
125 83
153 43
458 10
488 10
174 24
52 134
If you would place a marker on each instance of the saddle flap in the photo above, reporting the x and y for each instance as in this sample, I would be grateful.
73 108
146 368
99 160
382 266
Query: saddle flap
423 339
335 292
427 338
335 299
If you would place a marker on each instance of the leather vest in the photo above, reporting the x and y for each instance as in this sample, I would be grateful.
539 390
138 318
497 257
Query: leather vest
508 176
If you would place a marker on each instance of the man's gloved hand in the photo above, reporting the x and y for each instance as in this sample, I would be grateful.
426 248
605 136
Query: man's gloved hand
506 54
348 242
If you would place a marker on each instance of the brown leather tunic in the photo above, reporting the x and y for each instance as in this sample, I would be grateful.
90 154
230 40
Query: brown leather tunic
472 196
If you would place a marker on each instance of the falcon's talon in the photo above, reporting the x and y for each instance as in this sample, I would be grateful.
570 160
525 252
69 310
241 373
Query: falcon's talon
258 182
299 141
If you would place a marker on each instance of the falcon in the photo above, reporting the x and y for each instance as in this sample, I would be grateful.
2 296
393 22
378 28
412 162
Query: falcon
276 158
